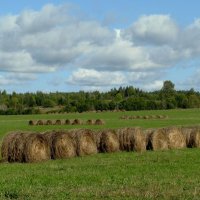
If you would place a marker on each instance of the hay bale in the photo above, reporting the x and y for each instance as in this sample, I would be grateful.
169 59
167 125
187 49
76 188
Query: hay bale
63 145
68 122
31 123
86 142
40 122
58 122
36 148
49 122
8 147
194 140
176 139
157 140
24 147
134 140
90 122
122 139
77 122
99 122
148 133
109 141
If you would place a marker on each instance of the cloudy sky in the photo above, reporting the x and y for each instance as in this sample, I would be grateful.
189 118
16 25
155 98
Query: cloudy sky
98 44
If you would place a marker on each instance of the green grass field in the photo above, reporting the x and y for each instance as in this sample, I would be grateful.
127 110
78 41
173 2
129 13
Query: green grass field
150 175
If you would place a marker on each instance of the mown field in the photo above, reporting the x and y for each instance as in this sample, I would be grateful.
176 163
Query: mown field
170 174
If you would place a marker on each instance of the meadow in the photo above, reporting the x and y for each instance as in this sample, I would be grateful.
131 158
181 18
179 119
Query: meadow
170 174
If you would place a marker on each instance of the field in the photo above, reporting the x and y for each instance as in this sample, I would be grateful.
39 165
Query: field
150 175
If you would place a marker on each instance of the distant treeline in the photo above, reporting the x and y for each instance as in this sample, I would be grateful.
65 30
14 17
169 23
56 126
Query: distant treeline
124 98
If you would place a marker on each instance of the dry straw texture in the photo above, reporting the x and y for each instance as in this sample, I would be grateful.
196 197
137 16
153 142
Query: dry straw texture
23 147
36 148
12 148
186 133
77 122
176 139
99 122
86 142
157 140
40 122
49 122
132 139
63 145
90 122
68 122
58 122
109 141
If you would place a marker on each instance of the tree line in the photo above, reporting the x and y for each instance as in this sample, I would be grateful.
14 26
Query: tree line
124 98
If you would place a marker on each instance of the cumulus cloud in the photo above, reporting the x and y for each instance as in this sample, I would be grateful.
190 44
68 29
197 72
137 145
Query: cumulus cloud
153 29
53 39
88 77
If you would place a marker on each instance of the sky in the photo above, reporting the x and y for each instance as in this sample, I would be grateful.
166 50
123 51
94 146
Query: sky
99 44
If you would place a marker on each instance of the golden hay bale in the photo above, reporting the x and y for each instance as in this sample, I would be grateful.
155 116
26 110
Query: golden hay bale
99 122
86 142
58 122
157 140
77 122
109 141
31 123
194 138
49 122
90 122
24 147
36 148
8 146
134 140
40 122
68 122
148 133
63 145
176 139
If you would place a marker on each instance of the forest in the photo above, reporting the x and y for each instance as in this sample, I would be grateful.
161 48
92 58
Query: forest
124 98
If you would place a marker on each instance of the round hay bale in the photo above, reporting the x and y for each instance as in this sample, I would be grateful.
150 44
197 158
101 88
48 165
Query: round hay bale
68 122
40 122
86 142
7 148
36 148
109 141
49 122
99 122
31 123
176 139
157 140
63 145
135 140
90 122
77 122
194 139
58 122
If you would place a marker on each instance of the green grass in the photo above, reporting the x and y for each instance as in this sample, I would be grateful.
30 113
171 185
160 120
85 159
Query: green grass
151 175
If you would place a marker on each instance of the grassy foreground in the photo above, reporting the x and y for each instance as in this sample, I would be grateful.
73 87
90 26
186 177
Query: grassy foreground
151 175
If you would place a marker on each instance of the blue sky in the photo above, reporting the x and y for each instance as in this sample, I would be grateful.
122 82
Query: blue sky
98 44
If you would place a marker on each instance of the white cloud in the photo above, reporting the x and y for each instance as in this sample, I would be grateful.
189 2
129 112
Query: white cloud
53 39
153 29
86 77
